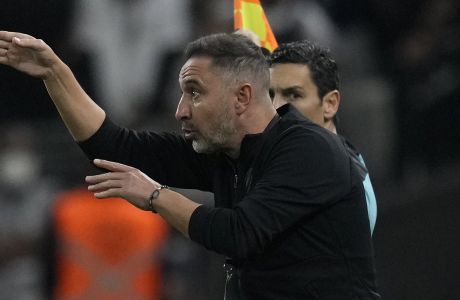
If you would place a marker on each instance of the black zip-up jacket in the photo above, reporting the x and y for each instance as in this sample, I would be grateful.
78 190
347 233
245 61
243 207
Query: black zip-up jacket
290 212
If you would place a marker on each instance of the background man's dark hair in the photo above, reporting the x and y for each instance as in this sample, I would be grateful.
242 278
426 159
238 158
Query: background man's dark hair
323 68
233 53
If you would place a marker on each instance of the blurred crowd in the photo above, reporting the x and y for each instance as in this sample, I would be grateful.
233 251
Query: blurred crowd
400 68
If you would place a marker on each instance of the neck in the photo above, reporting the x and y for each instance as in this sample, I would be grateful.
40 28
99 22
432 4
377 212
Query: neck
252 121
256 122
331 127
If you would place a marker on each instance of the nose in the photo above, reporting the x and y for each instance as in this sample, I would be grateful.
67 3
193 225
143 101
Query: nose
278 101
183 110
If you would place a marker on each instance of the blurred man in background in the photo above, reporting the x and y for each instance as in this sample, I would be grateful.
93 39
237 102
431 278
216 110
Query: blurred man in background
306 76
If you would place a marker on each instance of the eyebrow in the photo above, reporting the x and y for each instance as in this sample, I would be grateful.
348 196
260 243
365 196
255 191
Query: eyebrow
292 88
295 88
192 82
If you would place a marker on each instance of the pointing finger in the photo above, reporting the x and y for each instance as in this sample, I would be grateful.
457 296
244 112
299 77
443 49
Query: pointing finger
112 166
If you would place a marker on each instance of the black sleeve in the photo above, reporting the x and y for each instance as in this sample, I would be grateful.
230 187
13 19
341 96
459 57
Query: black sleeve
166 157
306 173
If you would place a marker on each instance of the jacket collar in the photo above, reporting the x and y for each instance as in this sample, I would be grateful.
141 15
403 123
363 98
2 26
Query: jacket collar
287 110
252 143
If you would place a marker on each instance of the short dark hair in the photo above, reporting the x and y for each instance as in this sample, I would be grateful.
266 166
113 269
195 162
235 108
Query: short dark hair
323 68
233 53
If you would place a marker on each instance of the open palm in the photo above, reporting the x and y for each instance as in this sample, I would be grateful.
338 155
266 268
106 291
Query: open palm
26 54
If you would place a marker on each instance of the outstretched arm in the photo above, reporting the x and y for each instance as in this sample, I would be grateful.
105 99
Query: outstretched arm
80 113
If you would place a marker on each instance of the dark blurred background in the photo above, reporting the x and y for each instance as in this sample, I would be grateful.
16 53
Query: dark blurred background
400 70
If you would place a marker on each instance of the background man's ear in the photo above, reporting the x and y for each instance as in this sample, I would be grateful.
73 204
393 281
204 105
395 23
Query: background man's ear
331 102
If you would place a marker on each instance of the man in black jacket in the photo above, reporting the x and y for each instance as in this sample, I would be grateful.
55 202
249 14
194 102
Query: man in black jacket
306 76
290 209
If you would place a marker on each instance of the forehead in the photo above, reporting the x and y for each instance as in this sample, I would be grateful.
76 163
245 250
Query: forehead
289 74
196 68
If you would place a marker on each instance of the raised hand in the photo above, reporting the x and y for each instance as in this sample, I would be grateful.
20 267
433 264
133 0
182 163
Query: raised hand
26 54
122 181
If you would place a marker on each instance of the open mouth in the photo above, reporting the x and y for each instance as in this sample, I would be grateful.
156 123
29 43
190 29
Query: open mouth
188 133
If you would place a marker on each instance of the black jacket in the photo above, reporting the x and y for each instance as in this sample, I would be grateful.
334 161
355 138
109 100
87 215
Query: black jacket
290 212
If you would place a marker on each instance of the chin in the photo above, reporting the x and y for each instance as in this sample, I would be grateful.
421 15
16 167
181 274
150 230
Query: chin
202 148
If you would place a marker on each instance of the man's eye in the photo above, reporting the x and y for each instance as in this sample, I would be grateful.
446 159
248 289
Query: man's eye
195 94
293 96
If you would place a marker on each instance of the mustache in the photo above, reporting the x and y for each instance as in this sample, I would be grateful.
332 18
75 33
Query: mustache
187 126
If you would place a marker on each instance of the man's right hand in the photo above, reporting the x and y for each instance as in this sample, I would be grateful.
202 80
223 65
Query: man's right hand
27 54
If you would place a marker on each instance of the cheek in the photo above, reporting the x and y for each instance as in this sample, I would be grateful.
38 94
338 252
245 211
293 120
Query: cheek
203 119
279 101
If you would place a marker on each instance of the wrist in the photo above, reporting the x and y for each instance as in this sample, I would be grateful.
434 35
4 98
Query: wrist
55 70
155 194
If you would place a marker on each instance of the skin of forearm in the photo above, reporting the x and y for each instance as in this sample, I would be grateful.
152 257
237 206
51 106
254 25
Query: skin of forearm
81 115
176 209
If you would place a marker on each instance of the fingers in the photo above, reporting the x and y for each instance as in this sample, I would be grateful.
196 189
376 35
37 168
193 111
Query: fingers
105 185
3 57
4 45
95 179
9 35
112 166
4 36
4 51
102 187
9 48
110 193
30 43
121 181
21 40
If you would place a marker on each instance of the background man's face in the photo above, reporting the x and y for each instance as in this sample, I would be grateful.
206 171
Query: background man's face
292 83
205 108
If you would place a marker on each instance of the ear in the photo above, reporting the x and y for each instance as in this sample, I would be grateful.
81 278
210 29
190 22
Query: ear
331 102
243 97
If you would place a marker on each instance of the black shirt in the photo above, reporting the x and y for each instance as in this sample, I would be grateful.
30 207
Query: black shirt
290 212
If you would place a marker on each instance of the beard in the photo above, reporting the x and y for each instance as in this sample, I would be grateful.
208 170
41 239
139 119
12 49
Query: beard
217 137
